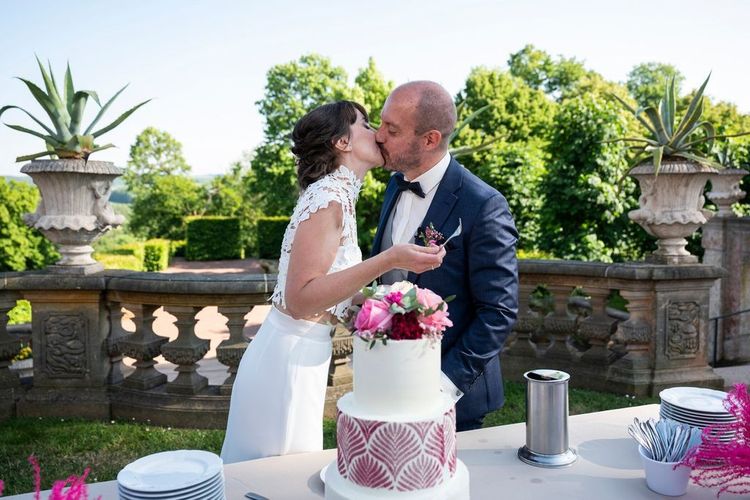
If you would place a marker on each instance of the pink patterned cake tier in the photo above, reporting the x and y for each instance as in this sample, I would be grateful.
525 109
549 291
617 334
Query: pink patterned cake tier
397 456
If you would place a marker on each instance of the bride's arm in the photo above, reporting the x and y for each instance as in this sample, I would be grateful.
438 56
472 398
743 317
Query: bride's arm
310 290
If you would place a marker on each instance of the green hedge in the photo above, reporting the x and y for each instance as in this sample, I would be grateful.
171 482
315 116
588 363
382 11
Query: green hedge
113 261
270 235
156 255
213 238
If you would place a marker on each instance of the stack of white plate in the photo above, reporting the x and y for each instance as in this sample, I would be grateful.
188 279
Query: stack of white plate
174 475
697 407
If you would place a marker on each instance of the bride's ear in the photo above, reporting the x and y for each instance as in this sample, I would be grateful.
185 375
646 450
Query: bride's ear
343 144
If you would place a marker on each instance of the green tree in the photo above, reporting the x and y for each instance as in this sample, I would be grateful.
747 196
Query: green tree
374 89
21 247
233 195
554 76
159 212
292 89
646 81
517 117
584 213
154 153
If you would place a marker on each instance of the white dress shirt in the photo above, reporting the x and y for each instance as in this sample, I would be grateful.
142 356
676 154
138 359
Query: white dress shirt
408 214
410 209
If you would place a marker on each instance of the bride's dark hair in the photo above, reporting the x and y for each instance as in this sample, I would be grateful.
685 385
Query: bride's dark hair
315 136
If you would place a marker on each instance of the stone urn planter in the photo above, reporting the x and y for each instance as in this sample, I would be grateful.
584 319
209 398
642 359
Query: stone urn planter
671 206
74 209
725 190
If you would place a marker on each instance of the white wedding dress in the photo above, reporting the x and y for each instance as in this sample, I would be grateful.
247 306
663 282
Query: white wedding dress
278 395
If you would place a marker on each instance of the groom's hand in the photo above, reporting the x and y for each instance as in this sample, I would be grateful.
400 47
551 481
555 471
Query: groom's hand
416 258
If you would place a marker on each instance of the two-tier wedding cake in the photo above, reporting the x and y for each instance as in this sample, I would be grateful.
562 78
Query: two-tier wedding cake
396 431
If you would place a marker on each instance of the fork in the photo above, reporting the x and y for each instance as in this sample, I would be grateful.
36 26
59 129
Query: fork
455 233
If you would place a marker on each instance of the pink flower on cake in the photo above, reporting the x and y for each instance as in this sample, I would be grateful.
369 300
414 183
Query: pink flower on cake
435 319
401 311
374 317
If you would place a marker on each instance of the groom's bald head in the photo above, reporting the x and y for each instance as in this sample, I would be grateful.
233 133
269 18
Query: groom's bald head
433 107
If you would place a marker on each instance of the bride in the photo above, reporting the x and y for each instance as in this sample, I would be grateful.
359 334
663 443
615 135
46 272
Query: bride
278 395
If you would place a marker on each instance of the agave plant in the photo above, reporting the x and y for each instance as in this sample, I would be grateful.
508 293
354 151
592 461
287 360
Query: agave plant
66 139
468 150
669 138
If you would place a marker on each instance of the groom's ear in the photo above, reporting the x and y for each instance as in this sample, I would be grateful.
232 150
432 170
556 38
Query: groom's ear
343 144
432 139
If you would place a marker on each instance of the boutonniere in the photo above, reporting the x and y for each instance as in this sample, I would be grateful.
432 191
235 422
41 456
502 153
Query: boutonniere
430 236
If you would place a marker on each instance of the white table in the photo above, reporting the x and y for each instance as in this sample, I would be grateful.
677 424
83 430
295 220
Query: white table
608 466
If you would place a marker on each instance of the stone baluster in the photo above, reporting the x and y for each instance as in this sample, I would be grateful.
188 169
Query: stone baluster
597 328
230 351
116 334
559 325
185 351
339 371
632 373
9 346
143 346
527 324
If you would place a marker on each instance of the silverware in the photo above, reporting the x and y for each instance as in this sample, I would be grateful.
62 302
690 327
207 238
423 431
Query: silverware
255 496
455 233
665 440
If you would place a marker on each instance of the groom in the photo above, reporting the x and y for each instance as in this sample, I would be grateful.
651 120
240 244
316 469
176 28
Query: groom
480 268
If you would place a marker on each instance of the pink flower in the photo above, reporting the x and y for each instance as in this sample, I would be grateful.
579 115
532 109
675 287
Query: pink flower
373 317
438 321
394 297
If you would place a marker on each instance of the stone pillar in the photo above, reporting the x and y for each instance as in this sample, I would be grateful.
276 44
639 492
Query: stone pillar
666 336
339 372
230 351
72 362
143 346
631 374
597 328
559 325
9 347
726 243
116 334
185 351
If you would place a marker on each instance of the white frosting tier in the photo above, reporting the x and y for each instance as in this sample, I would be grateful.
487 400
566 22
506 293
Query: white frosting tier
401 378
338 488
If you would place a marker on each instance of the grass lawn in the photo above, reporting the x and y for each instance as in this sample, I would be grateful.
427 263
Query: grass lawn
65 447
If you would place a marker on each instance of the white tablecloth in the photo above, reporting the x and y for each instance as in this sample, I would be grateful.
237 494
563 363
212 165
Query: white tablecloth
608 466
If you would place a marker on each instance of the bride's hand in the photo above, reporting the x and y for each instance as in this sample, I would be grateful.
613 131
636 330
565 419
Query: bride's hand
415 258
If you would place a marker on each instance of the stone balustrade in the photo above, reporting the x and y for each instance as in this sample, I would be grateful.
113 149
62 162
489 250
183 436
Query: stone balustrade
659 340
80 342
566 321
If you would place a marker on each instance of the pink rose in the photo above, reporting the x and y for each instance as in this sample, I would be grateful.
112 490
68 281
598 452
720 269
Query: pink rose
373 317
438 321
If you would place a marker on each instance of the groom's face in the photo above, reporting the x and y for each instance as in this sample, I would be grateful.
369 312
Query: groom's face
396 137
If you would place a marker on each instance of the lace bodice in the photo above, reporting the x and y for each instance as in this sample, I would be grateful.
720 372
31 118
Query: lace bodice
340 186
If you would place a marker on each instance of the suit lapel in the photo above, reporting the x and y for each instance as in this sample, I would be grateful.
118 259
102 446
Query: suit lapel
391 195
442 204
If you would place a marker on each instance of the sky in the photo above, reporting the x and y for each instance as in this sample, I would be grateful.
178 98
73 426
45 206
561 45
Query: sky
204 62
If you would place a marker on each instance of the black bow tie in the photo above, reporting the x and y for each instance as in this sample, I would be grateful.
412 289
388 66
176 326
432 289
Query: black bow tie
404 185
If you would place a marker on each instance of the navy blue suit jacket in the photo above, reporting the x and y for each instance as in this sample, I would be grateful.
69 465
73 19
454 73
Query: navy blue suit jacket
480 268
